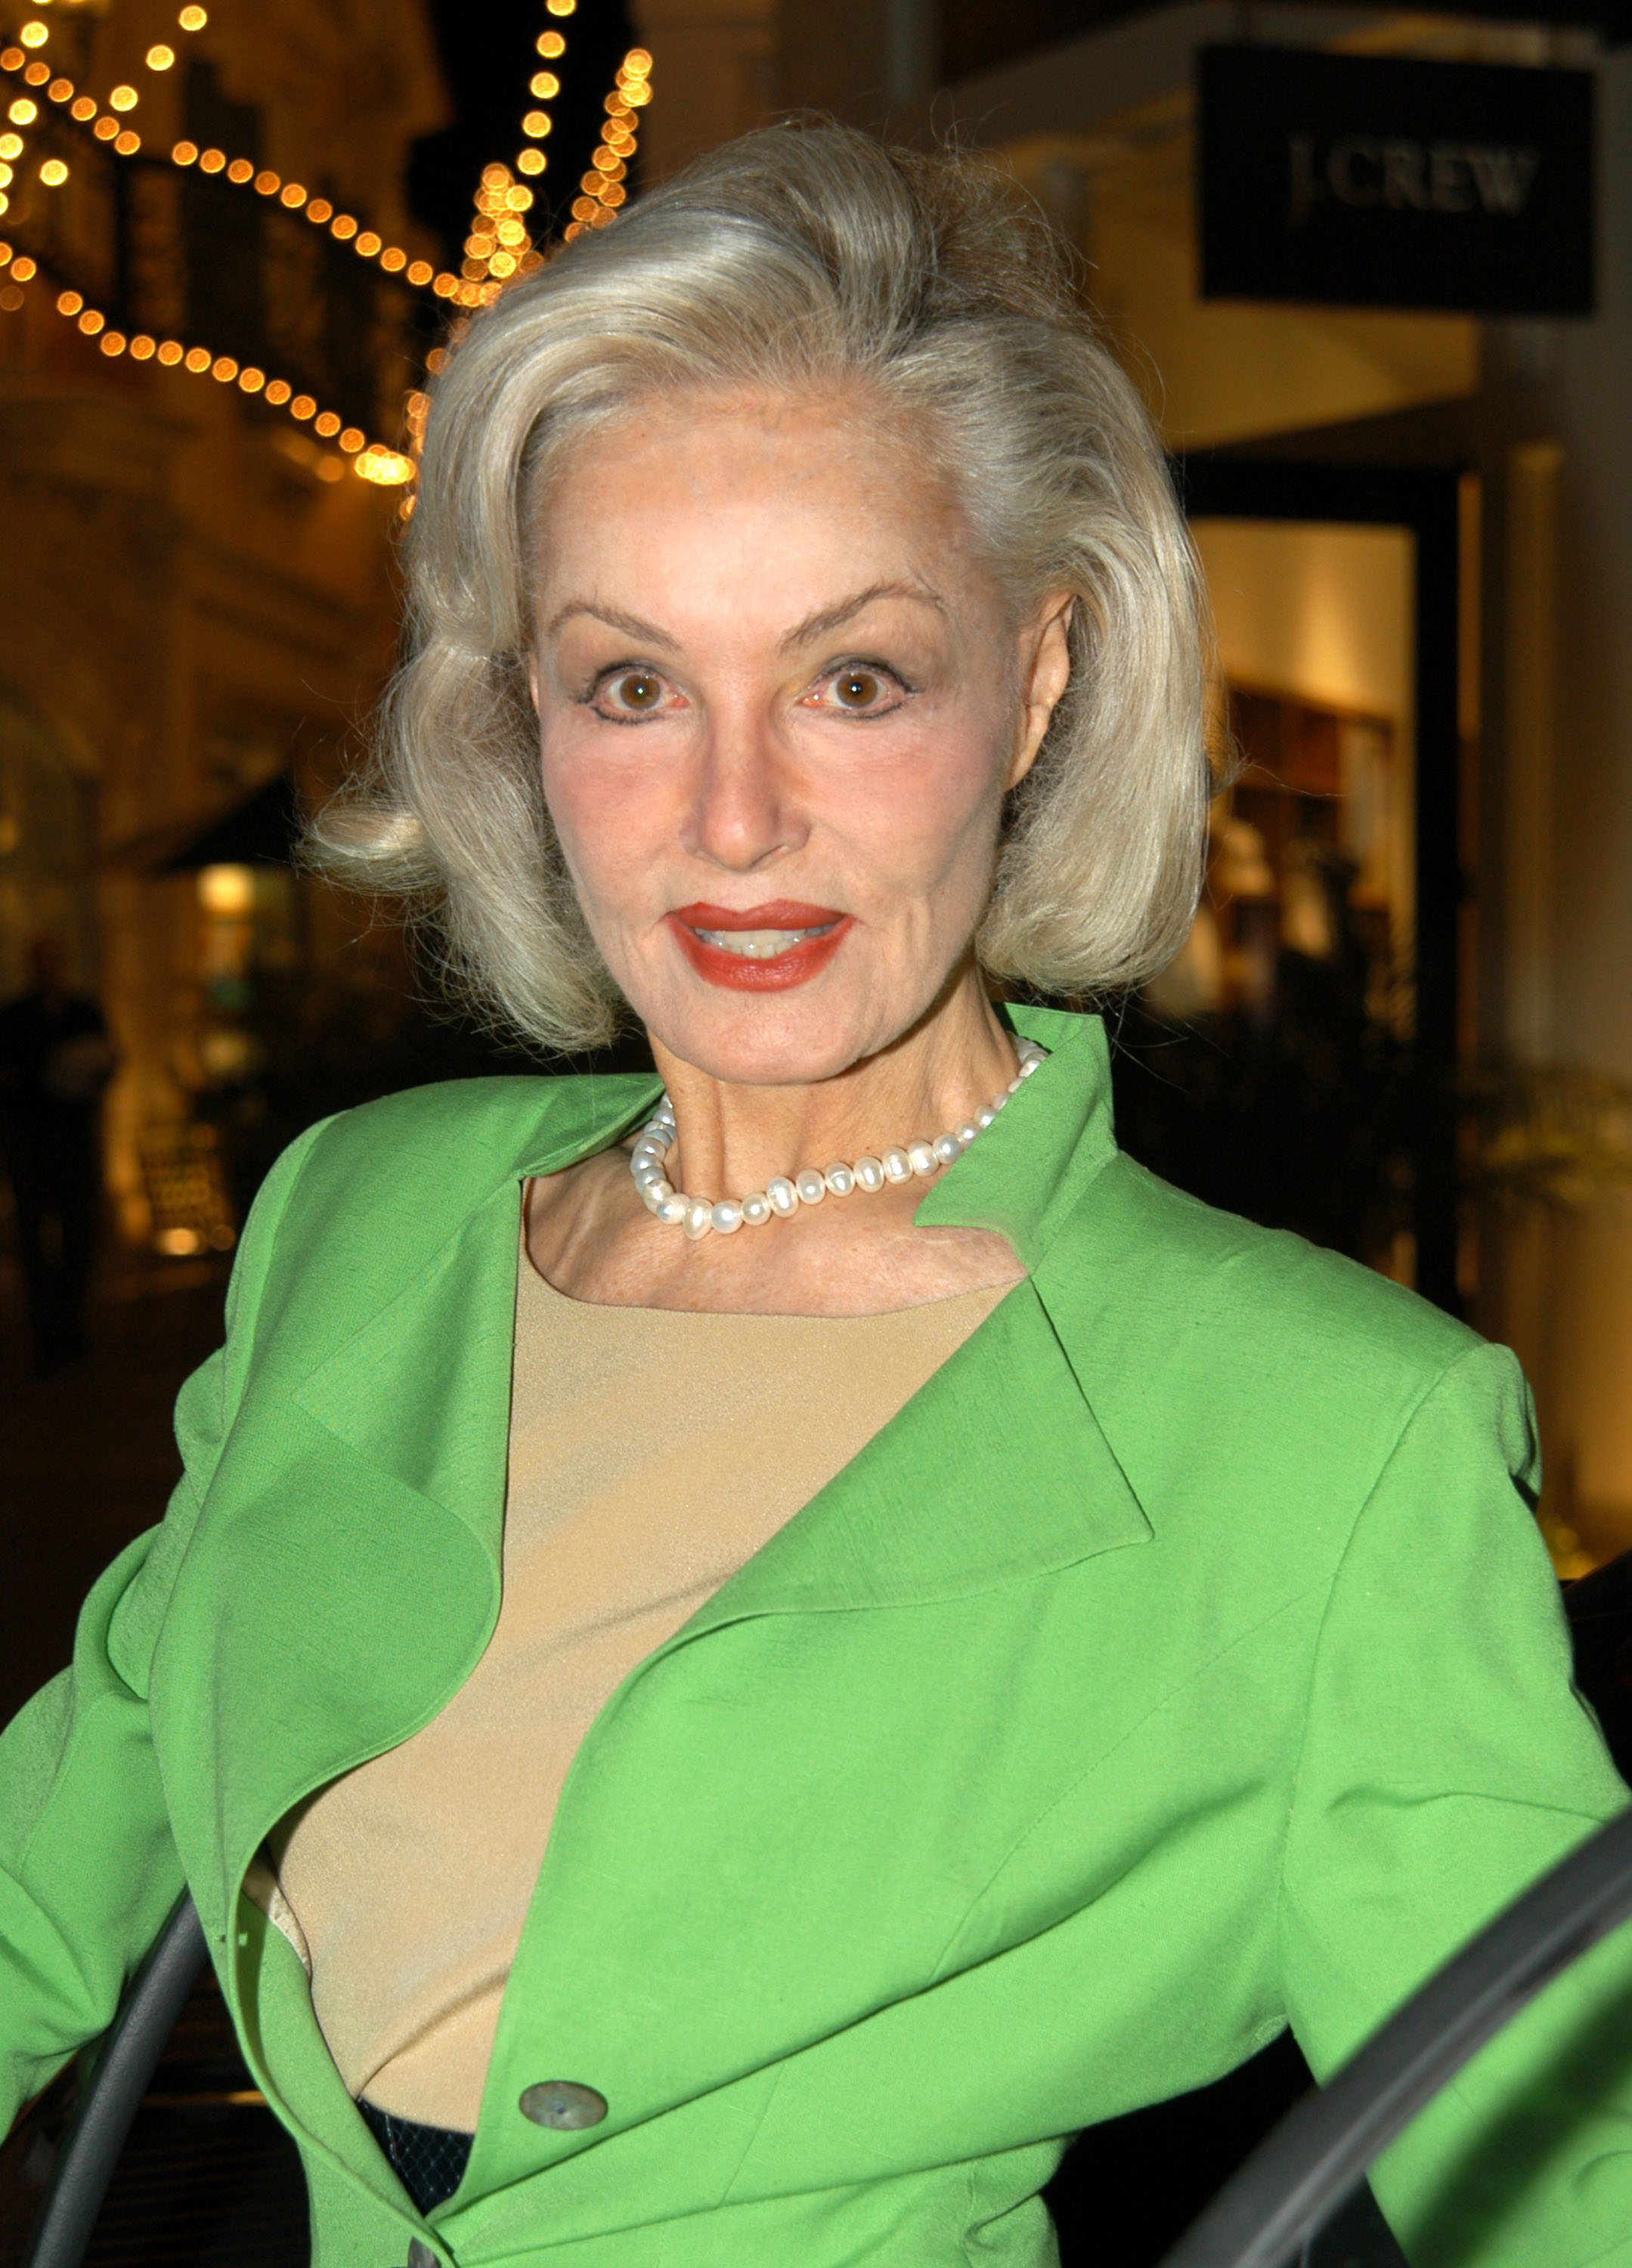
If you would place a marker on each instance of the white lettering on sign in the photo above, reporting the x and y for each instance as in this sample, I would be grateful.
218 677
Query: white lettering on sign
1374 169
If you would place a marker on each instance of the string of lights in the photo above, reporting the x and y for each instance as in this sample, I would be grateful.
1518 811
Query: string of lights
499 247
601 190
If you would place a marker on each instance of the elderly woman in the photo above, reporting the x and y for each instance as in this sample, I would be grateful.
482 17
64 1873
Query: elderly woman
741 1654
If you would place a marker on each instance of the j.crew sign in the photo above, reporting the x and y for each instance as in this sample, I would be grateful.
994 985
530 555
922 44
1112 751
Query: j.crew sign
1367 181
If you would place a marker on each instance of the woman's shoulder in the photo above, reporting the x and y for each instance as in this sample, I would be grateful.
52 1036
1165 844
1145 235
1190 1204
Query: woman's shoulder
1256 1323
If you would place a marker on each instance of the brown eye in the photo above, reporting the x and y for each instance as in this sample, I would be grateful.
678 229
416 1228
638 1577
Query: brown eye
636 689
856 688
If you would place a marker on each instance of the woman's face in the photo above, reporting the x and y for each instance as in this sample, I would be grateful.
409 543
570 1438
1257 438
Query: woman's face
780 702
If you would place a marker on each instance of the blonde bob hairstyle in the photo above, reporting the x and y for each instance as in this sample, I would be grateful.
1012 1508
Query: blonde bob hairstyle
798 257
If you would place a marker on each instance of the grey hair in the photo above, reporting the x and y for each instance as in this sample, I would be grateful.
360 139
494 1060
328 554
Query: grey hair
799 256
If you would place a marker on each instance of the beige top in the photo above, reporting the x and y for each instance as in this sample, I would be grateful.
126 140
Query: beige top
409 1878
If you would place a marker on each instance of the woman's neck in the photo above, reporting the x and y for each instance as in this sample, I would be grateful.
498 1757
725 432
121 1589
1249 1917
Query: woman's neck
732 1139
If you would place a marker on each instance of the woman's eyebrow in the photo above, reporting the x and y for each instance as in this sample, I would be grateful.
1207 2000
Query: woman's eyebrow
615 619
832 618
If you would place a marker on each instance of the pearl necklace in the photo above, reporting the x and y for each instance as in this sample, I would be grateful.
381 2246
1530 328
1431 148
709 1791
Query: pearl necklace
785 1193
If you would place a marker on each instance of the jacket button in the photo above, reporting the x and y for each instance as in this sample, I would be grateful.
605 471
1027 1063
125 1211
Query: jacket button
562 2105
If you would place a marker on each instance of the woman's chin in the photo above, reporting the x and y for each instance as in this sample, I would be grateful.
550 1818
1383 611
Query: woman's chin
748 1040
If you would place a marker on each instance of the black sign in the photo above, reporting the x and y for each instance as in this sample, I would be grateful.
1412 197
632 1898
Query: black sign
1377 182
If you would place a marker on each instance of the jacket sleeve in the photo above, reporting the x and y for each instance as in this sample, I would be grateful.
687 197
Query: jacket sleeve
88 1870
1447 1762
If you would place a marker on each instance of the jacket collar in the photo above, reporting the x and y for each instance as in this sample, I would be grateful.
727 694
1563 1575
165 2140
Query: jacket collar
422 1390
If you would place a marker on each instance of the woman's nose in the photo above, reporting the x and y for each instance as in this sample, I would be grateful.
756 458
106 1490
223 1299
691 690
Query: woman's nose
744 809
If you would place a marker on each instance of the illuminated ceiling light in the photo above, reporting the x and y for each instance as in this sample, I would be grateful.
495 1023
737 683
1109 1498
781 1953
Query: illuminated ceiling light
83 108
37 74
223 368
53 172
537 123
68 302
445 285
342 227
367 245
192 19
603 160
613 195
387 469
637 63
170 352
23 113
494 177
123 97
60 88
252 381
112 342
279 392
197 359
142 348
291 194
105 128
5 175
127 143
318 210
545 85
517 199
268 184
328 425
160 58
550 44
352 439
10 145
35 35
91 322
420 272
239 170
302 405
185 152
560 7
392 259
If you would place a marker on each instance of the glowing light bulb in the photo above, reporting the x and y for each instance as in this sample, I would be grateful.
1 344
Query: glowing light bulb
291 194
35 35
192 19
53 172
328 425
105 128
10 145
318 210
37 74
637 62
127 143
212 161
268 184
278 392
252 381
197 359
91 322
185 152
81 108
392 259
113 342
68 302
239 170
224 369
545 85
550 44
170 352
302 405
23 113
60 88
123 97
421 272
343 227
142 348
160 58
367 245
537 123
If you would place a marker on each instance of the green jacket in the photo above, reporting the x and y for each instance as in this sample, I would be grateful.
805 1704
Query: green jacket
1182 1661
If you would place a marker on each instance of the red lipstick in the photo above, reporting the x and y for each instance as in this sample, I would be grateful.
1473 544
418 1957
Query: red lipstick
734 971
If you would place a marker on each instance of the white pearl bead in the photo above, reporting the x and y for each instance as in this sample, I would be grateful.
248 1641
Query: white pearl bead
897 1166
869 1174
967 1134
726 1217
946 1147
922 1158
1013 1087
756 1207
983 1118
783 1195
810 1185
840 1180
652 1194
673 1211
699 1218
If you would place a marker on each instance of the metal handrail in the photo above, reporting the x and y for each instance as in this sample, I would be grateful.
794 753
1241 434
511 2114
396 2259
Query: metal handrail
112 2095
1317 2156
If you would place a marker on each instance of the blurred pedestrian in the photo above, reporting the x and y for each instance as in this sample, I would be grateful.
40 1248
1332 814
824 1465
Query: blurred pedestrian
55 1060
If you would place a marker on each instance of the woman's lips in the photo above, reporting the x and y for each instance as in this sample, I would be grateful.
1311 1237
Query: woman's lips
770 948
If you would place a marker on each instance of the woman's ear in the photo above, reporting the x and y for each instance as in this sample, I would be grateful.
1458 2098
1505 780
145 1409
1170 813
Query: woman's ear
1045 671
